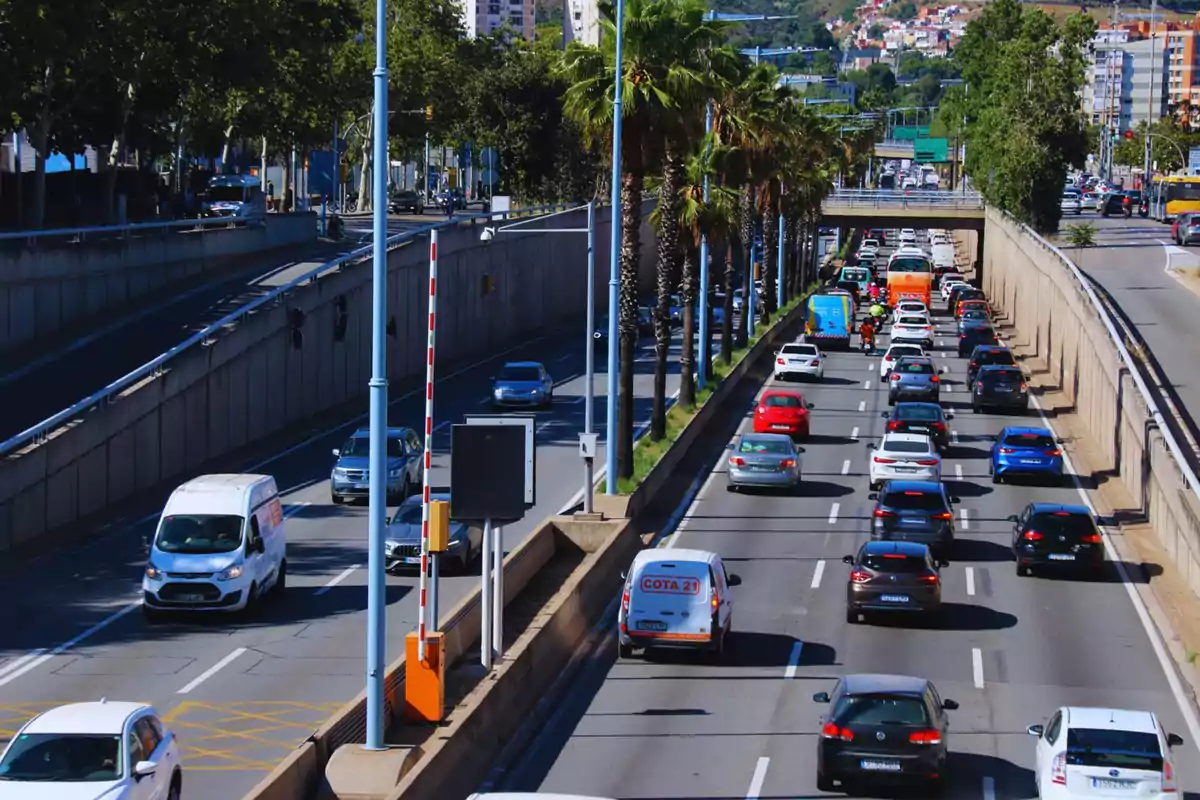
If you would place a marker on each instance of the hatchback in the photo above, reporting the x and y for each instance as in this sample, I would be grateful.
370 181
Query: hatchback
767 460
975 334
799 360
402 538
927 419
883 728
1026 451
897 352
973 315
893 576
906 307
913 328
976 304
914 379
782 411
1057 535
914 511
910 456
985 355
1000 387
522 384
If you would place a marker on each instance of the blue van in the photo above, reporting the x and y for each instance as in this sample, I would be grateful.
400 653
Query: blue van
830 320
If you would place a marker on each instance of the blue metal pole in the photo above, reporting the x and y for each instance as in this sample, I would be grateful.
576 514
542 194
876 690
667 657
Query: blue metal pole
748 307
376 578
589 394
705 340
614 274
336 177
779 277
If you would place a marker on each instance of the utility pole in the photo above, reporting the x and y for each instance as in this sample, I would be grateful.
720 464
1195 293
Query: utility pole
1154 72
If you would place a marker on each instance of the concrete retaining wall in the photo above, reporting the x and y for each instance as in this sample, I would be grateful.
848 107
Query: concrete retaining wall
253 383
1057 322
43 291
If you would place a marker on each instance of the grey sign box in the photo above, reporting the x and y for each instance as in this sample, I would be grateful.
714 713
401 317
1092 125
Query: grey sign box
587 445
486 482
525 421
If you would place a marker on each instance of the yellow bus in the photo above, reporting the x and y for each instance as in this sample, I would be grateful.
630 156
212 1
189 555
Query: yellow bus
1172 195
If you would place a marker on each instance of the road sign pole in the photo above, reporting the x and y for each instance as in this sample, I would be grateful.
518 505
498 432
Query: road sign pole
485 598
498 593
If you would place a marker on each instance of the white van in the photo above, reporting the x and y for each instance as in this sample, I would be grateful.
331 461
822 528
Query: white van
219 546
675 598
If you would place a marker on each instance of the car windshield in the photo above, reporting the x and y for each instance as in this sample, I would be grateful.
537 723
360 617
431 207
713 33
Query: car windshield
909 264
914 501
408 514
916 411
782 401
62 758
1092 747
975 313
777 447
800 349
360 447
856 274
1062 523
228 194
519 374
913 368
1029 440
881 709
894 562
904 446
200 533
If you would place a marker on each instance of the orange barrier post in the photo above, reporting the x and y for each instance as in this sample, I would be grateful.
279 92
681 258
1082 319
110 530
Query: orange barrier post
424 681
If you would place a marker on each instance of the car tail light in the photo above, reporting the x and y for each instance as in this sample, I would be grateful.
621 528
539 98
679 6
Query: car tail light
933 378
1168 780
881 460
1058 769
1090 538
962 336
832 731
716 601
944 515
860 576
737 461
1032 536
780 361
1024 386
927 462
895 376
880 512
893 425
978 384
816 361
760 410
1008 451
974 363
787 463
933 579
1054 452
625 600
940 426
925 737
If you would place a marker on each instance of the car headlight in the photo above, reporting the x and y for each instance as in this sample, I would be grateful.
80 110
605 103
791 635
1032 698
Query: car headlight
497 391
395 472
232 572
153 572
338 472
536 391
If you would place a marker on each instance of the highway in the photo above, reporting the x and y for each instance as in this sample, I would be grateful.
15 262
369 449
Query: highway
35 389
1010 650
241 694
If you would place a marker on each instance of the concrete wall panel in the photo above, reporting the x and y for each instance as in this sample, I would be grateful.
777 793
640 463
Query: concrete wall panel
148 450
93 482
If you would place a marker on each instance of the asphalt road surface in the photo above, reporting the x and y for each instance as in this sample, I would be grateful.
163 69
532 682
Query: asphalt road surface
1010 650
242 693
34 390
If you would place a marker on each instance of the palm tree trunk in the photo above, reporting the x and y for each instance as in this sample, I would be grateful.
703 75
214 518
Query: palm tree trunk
746 223
687 352
706 350
731 246
632 183
666 277
770 263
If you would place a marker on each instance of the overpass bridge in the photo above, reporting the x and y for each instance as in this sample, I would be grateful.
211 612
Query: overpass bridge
891 208
895 149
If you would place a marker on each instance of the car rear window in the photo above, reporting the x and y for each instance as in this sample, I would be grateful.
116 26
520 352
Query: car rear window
1062 523
764 446
912 321
861 274
895 562
918 412
1092 747
913 368
881 709
994 357
1029 440
899 351
1001 375
904 446
782 401
914 500
800 349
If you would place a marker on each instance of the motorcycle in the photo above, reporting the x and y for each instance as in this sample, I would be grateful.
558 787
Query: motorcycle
1127 208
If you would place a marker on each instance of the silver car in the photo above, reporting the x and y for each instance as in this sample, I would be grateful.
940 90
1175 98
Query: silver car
1071 204
402 540
766 460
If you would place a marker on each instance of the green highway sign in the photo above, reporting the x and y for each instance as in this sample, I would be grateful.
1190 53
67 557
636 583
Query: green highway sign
908 133
931 149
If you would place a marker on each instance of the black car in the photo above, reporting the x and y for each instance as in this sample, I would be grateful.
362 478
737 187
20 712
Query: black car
1000 387
1057 535
914 511
403 201
988 355
886 728
645 323
925 418
893 576
852 287
974 335
963 293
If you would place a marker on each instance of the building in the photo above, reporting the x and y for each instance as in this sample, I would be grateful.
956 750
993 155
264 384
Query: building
1183 66
485 17
1119 81
581 22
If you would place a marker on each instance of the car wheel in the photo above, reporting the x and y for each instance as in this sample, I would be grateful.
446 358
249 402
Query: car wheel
824 784
1023 570
997 478
851 616
624 650
280 587
731 487
176 790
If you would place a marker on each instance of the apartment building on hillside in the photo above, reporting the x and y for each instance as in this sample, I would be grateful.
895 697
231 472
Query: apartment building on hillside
485 17
1119 79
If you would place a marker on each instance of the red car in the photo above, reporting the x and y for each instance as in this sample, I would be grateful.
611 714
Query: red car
782 411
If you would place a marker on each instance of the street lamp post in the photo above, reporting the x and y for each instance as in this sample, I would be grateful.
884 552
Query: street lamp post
705 336
614 275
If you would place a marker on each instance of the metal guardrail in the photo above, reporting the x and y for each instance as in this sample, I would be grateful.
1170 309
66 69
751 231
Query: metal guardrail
41 431
913 198
112 232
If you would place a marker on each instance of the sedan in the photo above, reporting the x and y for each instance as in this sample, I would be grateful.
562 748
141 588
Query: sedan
914 329
893 576
406 201
1026 451
914 379
969 304
906 456
1179 222
766 460
895 353
402 539
799 360
522 384
1056 535
1071 203
1189 231
883 728
927 419
1000 387
914 511
782 411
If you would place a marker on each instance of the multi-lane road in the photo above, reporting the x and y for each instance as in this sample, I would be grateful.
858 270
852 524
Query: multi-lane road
1009 649
241 693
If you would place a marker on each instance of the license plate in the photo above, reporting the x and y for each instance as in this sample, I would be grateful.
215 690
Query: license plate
894 598
1003 389
922 428
651 625
780 427
1061 556
412 559
1031 461
879 765
1109 783
362 486
905 469
191 598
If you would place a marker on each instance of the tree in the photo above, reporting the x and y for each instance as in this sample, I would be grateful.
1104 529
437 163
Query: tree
904 11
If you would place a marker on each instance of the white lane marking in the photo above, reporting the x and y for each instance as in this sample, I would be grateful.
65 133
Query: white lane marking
793 661
488 398
833 512
977 666
948 387
989 784
760 775
871 364
816 581
38 657
296 508
854 433
20 662
866 384
346 573
569 356
954 434
958 467
942 343
971 581
862 404
966 523
441 425
846 467
213 670
583 397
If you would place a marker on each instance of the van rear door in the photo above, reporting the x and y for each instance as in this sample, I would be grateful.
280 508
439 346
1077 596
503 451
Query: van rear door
671 600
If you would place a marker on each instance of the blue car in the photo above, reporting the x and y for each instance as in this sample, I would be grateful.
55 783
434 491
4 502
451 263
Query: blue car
1032 452
350 477
522 384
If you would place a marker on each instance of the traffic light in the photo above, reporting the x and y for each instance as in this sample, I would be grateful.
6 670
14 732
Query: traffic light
1128 134
428 113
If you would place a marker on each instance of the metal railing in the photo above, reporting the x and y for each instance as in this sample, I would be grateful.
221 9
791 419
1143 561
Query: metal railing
113 232
39 432
913 198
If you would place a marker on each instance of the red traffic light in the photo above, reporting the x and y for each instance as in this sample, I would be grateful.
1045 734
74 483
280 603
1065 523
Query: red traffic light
1128 134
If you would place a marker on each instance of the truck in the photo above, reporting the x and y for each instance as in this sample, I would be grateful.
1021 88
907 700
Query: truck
943 256
830 320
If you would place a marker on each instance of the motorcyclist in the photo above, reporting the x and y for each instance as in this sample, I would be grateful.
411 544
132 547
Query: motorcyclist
873 291
876 313
867 332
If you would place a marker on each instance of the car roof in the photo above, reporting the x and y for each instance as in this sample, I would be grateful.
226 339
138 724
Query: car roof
907 345
980 349
765 437
905 437
522 363
894 547
1023 429
914 486
101 716
393 433
656 555
883 684
1116 719
1050 508
787 392
915 404
990 368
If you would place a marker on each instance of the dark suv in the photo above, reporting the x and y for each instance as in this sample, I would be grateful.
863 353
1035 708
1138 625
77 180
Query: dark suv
887 728
972 335
1000 387
893 576
914 378
1058 535
914 511
986 354
926 418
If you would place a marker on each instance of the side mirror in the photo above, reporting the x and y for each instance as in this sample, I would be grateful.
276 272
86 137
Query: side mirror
955 499
821 697
1174 740
942 370
814 405
847 559
624 575
950 705
777 352
143 768
942 563
730 445
338 453
1035 730
1061 440
1011 518
873 496
950 414
870 445
884 414
802 450
734 580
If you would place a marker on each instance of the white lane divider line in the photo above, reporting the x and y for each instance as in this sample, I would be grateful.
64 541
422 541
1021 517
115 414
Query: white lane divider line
871 364
947 387
36 658
971 581
958 467
793 661
989 784
866 384
862 404
16 664
760 775
816 581
854 433
296 508
954 434
213 670
966 523
846 463
569 356
833 512
341 576
444 424
977 666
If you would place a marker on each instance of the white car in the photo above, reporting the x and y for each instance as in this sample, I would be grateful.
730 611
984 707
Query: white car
914 329
948 287
906 457
908 236
1105 752
895 353
799 360
907 308
1071 204
873 244
101 750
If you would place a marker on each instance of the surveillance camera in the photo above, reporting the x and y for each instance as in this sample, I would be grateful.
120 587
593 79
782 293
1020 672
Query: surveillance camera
487 234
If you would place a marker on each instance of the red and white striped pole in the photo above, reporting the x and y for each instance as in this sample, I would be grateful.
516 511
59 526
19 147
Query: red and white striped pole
423 615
